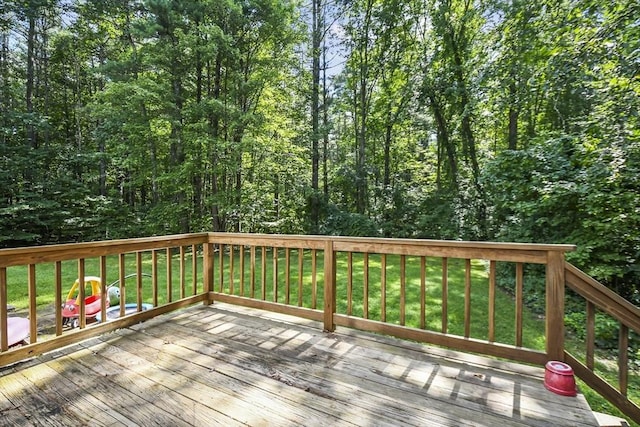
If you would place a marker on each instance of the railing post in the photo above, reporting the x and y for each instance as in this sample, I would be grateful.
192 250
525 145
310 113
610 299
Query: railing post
555 305
207 273
329 286
3 310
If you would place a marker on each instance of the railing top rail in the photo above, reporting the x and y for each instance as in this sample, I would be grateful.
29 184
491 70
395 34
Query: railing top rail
542 247
515 252
526 252
60 252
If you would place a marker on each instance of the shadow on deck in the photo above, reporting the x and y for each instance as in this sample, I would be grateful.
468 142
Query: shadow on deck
228 365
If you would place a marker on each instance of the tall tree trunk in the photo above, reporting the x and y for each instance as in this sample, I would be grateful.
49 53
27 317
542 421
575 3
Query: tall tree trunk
4 83
361 175
218 222
314 208
177 151
31 40
4 74
457 41
468 138
362 103
386 180
196 174
513 117
444 142
325 129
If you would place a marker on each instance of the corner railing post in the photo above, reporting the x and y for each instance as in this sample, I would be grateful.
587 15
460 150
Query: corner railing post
329 286
555 305
207 274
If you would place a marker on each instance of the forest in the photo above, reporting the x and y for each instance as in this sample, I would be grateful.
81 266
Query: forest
502 120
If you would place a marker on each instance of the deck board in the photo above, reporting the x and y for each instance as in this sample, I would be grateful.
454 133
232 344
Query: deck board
227 365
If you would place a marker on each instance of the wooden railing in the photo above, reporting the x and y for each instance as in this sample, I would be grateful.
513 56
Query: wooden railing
599 298
333 267
30 272
422 290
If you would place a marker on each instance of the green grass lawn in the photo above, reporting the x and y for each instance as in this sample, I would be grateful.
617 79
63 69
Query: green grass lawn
533 325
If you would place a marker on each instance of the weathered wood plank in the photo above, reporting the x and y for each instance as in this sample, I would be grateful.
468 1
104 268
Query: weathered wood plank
182 395
229 365
88 410
276 402
469 389
353 402
34 408
123 391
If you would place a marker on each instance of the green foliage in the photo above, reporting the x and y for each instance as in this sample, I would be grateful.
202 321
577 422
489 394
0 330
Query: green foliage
340 223
533 285
576 192
510 121
438 217
540 208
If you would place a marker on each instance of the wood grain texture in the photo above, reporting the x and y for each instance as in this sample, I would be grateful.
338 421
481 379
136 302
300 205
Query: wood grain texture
230 365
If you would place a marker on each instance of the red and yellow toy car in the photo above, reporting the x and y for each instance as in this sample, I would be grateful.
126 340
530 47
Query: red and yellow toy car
92 302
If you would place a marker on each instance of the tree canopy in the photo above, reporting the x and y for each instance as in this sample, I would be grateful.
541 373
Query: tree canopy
455 119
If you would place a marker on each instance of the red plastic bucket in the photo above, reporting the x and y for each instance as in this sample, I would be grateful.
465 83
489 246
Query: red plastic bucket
559 378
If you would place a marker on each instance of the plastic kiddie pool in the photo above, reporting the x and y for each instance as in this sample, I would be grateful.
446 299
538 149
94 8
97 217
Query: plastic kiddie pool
18 329
113 312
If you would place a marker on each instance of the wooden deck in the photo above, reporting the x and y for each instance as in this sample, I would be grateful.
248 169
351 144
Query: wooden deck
227 365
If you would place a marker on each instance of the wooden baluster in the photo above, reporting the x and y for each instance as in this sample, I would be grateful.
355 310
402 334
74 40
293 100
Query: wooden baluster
183 290
4 343
403 289
263 279
329 286
423 292
123 290
623 359
519 302
275 273
104 296
591 335
138 281
231 272
194 269
154 272
252 274
57 273
314 278
492 301
82 320
445 293
33 317
241 252
383 288
221 268
169 269
365 291
300 275
467 298
287 275
349 283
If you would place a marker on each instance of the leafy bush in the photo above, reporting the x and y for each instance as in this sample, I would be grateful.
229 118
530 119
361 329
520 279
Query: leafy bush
534 284
577 190
340 223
